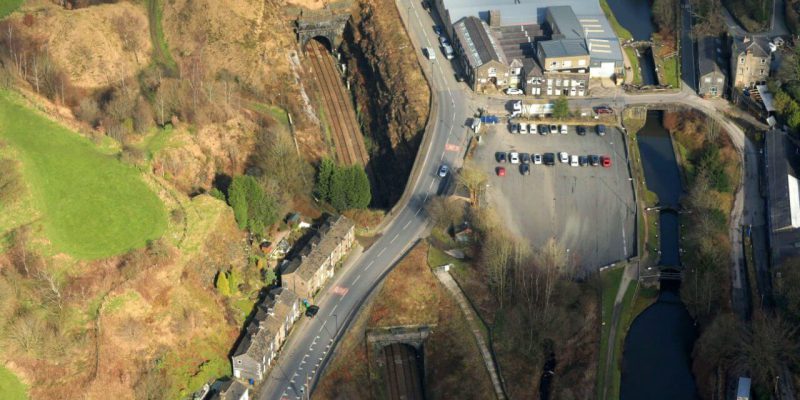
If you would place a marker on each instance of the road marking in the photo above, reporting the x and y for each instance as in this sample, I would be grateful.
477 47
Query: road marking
394 238
357 278
426 198
381 252
333 309
340 290
369 265
431 185
407 224
418 210
323 326
452 147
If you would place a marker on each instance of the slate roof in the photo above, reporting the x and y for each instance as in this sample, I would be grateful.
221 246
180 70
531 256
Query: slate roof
478 44
758 46
566 22
782 159
564 48
230 390
707 57
267 321
320 247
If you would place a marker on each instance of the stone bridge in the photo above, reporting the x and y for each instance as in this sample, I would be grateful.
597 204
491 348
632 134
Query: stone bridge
327 23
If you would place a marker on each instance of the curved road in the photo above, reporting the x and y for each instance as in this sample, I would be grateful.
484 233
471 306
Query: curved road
306 352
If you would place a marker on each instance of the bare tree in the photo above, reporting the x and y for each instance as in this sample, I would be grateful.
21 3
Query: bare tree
552 261
474 179
127 26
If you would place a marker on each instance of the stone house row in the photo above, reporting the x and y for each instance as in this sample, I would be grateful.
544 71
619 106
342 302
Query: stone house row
301 278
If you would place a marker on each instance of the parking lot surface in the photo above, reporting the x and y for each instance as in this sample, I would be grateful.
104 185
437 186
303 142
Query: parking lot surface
589 210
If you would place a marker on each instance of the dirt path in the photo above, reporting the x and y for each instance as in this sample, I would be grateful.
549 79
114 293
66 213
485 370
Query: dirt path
627 277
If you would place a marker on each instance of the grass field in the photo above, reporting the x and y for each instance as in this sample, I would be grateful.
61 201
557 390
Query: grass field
93 206
8 6
10 386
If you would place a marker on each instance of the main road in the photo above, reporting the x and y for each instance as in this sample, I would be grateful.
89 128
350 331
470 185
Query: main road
307 351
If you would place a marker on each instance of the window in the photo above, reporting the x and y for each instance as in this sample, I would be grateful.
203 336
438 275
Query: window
567 63
516 71
763 60
558 82
549 82
761 72
741 60
720 80
707 79
582 62
492 71
554 64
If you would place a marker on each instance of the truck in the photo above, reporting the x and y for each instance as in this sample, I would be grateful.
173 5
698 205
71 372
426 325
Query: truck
490 119
536 109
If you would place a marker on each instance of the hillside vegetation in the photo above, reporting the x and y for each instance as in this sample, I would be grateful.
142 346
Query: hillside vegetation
93 206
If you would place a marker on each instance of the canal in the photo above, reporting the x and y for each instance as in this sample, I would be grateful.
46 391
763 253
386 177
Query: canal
656 361
635 16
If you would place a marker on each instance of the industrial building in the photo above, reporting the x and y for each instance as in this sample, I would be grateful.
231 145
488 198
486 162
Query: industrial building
783 195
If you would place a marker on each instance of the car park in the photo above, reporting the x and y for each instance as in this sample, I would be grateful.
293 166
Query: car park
443 170
525 169
563 157
594 160
581 130
501 171
606 161
537 159
601 130
513 157
573 160
564 129
553 128
500 156
583 161
525 158
543 130
514 91
549 159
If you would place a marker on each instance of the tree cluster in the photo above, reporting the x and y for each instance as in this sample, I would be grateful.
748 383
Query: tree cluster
253 209
344 187
665 15
561 108
227 282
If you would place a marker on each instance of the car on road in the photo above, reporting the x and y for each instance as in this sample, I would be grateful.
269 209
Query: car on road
537 159
311 311
514 91
606 161
525 169
549 159
553 128
513 157
501 171
429 53
525 158
563 157
583 161
594 160
500 156
564 129
604 109
601 130
543 130
573 160
443 170
581 130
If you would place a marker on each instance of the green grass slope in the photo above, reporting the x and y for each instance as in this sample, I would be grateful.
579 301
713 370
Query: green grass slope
93 205
10 386
8 6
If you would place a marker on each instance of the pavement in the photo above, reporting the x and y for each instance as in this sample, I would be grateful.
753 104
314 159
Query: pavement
589 210
305 354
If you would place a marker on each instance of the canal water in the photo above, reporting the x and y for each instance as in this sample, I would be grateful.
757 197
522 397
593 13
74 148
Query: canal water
635 16
656 361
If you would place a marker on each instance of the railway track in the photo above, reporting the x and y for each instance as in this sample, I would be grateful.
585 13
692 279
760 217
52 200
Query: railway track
344 127
402 372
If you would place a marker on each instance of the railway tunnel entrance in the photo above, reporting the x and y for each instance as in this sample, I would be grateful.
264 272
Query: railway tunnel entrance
404 367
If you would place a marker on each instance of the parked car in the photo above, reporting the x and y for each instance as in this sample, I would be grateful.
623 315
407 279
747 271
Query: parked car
443 170
549 159
581 130
501 171
522 128
429 53
513 157
594 160
583 161
500 156
533 128
543 130
437 29
601 130
604 109
553 128
573 160
564 129
443 40
426 5
311 311
448 52
525 158
514 91
606 161
525 169
563 157
537 159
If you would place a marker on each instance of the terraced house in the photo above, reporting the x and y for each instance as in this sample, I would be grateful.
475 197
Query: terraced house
314 265
264 335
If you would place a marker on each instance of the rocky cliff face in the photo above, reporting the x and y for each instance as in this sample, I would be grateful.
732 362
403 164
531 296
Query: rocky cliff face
391 94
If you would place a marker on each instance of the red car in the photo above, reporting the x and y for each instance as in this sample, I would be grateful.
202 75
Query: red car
606 161
603 110
501 171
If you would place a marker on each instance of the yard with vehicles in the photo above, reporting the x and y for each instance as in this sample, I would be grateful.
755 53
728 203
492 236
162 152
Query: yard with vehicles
588 207
90 204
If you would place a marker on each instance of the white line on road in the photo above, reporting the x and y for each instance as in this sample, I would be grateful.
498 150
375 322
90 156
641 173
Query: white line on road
381 252
431 185
333 309
369 265
323 326
406 225
394 238
418 210
357 278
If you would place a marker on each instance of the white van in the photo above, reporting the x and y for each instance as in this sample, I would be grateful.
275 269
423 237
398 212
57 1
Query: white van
429 53
448 51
